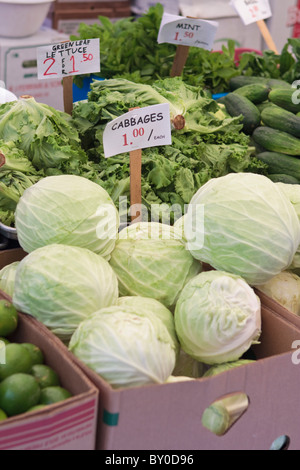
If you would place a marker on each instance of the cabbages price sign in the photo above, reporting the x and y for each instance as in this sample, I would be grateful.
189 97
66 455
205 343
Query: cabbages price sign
66 59
139 128
185 33
256 11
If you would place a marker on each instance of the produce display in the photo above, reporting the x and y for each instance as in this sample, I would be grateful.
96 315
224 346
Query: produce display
172 297
26 382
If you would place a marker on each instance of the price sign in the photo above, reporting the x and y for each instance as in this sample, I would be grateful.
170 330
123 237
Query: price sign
68 58
252 11
187 31
138 129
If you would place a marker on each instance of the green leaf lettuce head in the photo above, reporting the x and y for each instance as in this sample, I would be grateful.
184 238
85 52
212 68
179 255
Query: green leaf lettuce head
150 260
46 135
217 317
242 223
70 210
62 285
125 347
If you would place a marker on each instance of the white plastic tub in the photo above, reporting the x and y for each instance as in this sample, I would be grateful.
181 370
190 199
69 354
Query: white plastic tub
21 18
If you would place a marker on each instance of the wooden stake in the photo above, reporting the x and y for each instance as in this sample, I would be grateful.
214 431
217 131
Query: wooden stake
182 53
68 94
135 183
267 36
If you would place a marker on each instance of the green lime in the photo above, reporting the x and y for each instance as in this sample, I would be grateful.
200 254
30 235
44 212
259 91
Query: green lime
51 395
17 360
4 340
3 415
19 393
45 376
36 408
8 318
36 354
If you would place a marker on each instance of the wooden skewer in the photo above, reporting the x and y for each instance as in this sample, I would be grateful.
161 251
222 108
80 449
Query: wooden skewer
68 94
267 36
136 183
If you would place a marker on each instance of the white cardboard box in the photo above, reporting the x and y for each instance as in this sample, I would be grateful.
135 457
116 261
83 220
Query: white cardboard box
285 21
18 67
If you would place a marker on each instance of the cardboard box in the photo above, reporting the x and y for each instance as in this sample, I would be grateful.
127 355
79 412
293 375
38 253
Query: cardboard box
66 16
18 67
285 21
168 416
69 425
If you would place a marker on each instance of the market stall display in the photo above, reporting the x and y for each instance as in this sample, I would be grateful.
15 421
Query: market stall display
186 304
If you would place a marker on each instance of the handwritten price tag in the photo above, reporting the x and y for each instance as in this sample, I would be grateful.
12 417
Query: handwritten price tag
68 58
187 31
252 11
138 129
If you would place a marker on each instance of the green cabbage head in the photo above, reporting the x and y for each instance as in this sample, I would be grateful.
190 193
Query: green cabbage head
67 209
151 307
62 285
150 260
243 223
217 317
125 347
7 277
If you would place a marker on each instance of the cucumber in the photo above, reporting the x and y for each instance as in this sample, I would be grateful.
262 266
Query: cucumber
281 119
279 163
256 93
276 141
283 178
242 80
286 99
265 104
237 105
277 83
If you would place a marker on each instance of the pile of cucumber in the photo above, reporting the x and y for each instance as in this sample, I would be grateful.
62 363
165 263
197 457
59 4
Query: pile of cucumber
271 116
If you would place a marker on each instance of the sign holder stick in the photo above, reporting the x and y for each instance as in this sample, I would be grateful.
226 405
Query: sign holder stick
68 94
182 53
136 183
267 36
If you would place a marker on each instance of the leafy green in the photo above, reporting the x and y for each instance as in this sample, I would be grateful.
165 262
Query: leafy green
46 135
211 144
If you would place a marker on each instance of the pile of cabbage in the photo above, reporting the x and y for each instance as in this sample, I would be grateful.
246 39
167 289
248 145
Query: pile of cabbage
152 303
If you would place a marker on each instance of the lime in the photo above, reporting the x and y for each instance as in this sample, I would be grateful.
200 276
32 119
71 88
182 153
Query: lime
3 415
8 318
51 395
45 376
36 408
4 340
36 354
19 393
17 360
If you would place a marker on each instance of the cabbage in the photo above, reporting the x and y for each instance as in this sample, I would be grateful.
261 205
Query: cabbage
62 285
149 307
242 223
292 192
124 347
284 288
7 277
67 209
150 260
217 317
215 370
